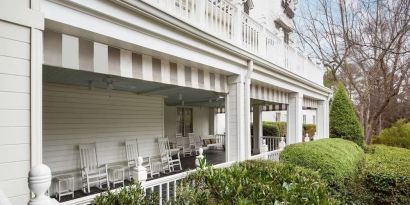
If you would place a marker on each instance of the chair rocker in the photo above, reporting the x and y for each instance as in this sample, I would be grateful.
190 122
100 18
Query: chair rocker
91 172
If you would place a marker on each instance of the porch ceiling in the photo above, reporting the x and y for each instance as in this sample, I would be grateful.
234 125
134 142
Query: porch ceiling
171 93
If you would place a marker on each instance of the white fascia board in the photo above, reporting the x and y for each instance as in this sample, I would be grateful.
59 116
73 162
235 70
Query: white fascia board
277 81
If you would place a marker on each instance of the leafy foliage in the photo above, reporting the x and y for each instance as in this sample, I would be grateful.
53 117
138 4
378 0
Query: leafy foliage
398 135
129 195
310 129
270 129
343 120
254 182
337 160
386 175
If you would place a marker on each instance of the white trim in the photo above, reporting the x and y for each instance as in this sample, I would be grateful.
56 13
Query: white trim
36 97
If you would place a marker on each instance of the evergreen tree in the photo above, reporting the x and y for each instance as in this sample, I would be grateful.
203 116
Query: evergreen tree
343 120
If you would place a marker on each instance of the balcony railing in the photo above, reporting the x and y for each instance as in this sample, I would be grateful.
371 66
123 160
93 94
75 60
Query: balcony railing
226 21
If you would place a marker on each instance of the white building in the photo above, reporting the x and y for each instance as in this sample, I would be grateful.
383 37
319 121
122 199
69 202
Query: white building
91 71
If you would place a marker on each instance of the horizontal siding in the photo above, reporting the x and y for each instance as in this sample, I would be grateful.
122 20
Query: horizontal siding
73 115
14 110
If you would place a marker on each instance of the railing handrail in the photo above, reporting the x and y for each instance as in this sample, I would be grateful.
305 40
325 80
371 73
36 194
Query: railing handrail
230 30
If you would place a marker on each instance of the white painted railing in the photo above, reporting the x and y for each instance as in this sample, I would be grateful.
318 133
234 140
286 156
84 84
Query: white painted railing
251 32
271 155
228 22
166 187
219 17
272 142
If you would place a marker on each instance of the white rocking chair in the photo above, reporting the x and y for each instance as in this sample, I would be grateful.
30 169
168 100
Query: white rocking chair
195 143
91 172
186 148
166 157
131 149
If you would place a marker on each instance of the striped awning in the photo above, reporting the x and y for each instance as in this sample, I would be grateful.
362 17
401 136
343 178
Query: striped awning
310 102
61 50
269 94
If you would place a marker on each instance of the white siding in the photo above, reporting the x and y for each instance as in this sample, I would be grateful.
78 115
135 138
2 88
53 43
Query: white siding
14 110
73 115
201 120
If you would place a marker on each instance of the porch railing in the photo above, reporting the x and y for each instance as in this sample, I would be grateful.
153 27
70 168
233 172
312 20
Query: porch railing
166 187
272 142
271 155
228 22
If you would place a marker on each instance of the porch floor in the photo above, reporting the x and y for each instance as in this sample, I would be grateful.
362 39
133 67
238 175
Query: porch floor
188 163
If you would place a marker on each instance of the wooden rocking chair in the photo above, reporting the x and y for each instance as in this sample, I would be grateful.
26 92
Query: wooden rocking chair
91 172
168 163
131 149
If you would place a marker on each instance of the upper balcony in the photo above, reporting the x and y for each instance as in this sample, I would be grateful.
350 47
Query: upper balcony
228 22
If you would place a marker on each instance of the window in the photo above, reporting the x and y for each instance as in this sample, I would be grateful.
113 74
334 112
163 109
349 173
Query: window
277 117
304 119
184 121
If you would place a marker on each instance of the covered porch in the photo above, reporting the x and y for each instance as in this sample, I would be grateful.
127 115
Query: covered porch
83 106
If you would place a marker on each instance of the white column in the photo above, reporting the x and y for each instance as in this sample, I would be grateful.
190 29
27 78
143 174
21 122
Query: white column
322 115
294 125
257 128
236 112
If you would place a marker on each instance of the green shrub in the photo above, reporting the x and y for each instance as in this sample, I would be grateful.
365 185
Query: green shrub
343 120
270 129
337 160
386 175
281 128
132 194
398 135
310 129
254 182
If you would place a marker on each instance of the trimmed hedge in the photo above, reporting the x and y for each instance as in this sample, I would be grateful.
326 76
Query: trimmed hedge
337 160
270 129
398 135
343 121
254 182
386 175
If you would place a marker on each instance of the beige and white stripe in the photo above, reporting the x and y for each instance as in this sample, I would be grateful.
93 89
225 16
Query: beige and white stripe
61 50
310 102
269 94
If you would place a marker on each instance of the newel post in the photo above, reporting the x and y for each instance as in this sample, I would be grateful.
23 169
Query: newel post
199 157
140 172
237 23
201 12
264 149
39 180
282 143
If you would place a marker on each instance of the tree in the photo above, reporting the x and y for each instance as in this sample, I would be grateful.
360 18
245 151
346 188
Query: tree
343 120
366 45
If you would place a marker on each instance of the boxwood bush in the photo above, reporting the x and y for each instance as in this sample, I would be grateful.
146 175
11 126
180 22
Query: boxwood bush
337 160
254 182
386 175
132 194
398 135
343 121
